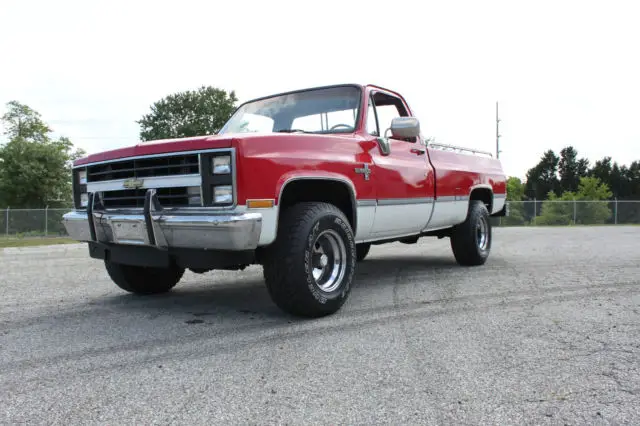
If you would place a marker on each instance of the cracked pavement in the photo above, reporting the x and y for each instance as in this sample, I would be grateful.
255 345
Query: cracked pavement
547 332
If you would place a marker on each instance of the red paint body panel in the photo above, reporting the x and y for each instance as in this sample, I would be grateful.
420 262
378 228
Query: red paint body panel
159 147
266 163
403 174
457 174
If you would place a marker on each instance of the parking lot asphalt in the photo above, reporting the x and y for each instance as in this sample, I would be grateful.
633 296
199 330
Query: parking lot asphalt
547 332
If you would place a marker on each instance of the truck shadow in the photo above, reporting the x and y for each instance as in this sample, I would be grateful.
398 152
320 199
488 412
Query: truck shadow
206 296
209 307
388 267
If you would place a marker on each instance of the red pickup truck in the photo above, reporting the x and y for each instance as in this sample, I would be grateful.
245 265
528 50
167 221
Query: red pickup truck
302 183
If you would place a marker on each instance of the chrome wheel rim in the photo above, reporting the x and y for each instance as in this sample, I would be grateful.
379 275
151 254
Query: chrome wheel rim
482 233
329 257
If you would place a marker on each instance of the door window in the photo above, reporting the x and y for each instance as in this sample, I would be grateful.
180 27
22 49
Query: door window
372 121
387 107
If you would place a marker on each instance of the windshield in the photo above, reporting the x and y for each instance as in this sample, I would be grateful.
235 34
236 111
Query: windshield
329 110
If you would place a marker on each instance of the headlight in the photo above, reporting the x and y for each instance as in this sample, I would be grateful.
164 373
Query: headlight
223 194
82 177
193 193
84 199
222 165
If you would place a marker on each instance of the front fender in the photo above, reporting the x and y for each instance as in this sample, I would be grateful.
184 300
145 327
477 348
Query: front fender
313 174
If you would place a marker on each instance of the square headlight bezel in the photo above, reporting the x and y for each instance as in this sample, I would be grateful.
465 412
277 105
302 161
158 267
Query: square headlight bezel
210 180
78 187
229 194
221 165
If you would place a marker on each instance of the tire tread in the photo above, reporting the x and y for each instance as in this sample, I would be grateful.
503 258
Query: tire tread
283 258
144 281
463 242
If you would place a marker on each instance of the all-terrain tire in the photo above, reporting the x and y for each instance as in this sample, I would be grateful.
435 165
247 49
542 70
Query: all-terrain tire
362 250
144 280
471 240
305 231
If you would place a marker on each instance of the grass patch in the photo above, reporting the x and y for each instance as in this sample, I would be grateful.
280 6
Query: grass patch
33 242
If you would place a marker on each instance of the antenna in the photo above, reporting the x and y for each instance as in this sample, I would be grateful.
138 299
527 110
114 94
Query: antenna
497 132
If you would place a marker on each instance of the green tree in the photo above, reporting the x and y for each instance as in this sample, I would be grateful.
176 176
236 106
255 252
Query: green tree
190 113
20 121
602 170
633 177
515 189
571 169
515 199
624 183
596 210
556 210
35 169
543 177
588 205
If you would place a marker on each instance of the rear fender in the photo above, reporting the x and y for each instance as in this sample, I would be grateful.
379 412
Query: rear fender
483 192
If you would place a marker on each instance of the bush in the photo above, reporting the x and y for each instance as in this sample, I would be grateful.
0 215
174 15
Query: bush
586 206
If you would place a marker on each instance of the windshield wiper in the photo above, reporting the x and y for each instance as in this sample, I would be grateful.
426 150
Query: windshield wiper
291 131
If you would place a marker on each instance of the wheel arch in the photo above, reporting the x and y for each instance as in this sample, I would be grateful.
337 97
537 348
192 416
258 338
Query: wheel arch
484 193
339 190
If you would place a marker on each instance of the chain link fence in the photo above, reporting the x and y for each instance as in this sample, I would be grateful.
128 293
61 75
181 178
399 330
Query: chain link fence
48 222
32 222
565 213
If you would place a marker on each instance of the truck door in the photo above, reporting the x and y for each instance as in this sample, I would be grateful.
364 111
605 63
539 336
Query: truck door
404 179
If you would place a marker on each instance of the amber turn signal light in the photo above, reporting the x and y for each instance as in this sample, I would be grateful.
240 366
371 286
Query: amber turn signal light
259 204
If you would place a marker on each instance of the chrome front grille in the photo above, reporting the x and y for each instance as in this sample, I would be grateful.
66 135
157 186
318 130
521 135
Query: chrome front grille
190 179
134 198
173 165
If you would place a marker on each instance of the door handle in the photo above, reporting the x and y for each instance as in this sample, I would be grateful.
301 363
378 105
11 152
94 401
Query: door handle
417 151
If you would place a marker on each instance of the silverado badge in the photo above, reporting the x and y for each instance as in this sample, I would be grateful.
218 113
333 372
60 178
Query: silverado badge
133 183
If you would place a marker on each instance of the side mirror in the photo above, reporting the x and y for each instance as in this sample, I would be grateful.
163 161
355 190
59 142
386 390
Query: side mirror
405 127
385 146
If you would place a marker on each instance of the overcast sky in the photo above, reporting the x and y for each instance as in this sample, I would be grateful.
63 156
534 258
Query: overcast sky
564 72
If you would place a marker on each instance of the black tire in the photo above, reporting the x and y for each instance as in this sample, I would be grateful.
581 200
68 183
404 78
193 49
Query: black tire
469 248
362 250
294 256
143 280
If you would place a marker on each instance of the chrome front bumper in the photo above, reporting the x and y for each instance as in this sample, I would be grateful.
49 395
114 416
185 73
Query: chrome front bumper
165 228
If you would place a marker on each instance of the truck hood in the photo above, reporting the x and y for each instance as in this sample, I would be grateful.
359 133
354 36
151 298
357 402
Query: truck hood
161 146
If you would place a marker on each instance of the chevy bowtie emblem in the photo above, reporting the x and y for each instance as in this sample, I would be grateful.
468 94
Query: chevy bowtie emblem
366 171
133 183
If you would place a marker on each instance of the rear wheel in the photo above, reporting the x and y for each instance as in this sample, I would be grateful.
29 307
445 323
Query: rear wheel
362 250
471 240
144 280
310 268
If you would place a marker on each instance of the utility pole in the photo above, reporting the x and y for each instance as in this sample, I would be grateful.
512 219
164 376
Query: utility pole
497 132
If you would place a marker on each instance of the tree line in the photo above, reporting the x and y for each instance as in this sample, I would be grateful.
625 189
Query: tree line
562 183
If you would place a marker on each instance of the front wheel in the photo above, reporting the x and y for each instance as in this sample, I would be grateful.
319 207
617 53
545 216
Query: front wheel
144 280
310 269
471 240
